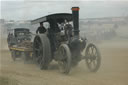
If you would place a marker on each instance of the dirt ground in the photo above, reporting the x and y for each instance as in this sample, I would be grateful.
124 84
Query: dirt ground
113 70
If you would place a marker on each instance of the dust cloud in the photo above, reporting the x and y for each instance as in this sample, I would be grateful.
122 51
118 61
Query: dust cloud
113 70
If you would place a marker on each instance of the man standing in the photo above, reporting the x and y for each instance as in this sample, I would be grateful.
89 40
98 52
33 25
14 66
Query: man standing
41 29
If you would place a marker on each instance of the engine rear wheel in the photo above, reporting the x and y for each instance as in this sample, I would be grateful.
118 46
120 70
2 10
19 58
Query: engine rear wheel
65 62
42 51
93 57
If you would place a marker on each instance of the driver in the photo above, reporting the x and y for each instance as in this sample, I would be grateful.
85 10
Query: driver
41 29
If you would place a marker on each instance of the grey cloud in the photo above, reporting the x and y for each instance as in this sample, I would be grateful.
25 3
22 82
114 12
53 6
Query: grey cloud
33 9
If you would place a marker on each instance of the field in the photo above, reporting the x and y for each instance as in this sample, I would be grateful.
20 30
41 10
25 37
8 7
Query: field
113 70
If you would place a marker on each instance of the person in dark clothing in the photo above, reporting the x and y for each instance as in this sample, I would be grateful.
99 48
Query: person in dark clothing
41 29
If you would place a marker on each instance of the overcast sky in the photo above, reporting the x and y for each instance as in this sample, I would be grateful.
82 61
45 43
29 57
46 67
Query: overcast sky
28 9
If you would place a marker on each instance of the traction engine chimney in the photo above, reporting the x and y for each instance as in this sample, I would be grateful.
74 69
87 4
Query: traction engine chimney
75 16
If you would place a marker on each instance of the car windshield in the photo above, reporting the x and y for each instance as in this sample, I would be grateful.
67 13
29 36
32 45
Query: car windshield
21 33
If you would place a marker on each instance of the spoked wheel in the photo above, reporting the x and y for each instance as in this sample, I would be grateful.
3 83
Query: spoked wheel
42 51
65 62
93 57
38 51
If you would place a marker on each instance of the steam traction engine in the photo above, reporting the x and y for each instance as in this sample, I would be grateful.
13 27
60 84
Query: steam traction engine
63 43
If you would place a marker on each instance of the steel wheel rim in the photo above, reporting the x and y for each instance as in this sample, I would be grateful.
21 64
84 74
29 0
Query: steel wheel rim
92 57
65 62
62 63
38 51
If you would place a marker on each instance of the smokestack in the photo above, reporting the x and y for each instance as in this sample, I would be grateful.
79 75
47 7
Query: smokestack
75 16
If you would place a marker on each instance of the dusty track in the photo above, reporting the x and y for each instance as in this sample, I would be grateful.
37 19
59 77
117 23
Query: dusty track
113 70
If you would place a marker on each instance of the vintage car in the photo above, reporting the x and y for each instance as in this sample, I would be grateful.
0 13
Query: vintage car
20 43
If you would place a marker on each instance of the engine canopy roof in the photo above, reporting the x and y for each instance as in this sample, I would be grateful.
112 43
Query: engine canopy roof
58 18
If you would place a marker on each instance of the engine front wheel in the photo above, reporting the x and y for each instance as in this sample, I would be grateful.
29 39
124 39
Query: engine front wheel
65 62
93 57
